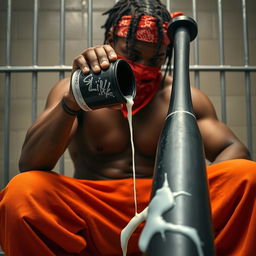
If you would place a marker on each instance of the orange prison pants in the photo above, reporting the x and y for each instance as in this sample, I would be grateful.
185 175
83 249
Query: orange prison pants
44 213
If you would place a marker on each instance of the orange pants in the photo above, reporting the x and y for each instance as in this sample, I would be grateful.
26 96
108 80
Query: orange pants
44 213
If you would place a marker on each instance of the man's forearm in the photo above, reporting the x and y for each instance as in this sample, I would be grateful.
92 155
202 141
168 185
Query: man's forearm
46 140
234 151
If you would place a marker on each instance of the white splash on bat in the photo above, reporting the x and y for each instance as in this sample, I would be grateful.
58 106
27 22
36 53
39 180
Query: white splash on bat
163 200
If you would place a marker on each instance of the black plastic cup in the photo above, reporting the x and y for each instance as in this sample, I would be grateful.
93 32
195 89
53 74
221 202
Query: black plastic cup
108 87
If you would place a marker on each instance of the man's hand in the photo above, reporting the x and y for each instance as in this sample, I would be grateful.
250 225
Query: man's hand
95 59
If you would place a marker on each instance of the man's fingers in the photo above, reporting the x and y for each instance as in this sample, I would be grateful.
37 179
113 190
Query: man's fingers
110 52
80 63
92 59
102 57
95 58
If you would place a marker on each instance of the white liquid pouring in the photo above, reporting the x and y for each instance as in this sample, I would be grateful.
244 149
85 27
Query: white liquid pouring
129 105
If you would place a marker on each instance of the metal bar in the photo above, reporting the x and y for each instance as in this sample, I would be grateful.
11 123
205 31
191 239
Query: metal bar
196 46
62 33
221 55
62 62
168 5
57 68
35 61
89 23
6 128
7 98
247 80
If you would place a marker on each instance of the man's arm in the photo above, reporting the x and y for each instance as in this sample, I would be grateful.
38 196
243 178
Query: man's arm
48 137
219 141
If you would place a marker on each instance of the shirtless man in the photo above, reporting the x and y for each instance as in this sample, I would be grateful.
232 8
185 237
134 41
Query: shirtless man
99 145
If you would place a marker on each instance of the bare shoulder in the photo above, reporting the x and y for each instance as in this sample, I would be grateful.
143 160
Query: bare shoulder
57 92
202 105
165 92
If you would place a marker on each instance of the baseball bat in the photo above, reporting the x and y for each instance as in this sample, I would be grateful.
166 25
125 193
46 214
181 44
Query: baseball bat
184 210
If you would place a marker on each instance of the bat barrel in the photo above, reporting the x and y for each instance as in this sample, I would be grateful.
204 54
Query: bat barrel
180 155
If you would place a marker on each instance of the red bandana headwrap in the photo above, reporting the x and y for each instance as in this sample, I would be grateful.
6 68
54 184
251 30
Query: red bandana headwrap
146 30
147 80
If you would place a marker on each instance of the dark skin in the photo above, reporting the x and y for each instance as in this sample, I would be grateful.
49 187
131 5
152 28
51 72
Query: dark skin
99 144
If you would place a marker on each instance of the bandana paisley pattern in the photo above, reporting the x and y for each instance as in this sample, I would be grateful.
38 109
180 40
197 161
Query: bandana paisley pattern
146 29
147 80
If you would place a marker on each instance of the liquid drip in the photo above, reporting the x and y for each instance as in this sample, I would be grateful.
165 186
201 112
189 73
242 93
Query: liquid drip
163 200
129 105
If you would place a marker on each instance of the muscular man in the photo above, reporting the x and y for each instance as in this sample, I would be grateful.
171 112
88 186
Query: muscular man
44 213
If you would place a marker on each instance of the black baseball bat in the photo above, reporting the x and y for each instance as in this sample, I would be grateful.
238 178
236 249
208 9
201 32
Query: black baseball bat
181 160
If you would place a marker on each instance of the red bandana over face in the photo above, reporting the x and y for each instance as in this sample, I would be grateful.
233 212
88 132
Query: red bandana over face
147 80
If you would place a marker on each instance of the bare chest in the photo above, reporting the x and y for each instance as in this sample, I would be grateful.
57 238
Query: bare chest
107 132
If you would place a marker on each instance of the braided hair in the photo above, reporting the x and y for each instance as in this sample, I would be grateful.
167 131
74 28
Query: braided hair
137 9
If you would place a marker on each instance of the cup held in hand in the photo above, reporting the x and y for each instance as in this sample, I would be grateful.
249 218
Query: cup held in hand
108 87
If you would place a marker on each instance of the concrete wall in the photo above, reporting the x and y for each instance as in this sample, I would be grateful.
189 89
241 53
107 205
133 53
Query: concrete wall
76 26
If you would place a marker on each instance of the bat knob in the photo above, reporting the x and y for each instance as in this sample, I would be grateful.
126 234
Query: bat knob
182 21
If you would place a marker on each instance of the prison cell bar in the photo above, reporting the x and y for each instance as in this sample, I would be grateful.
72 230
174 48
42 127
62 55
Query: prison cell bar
221 56
7 98
196 46
35 61
62 62
247 79
89 21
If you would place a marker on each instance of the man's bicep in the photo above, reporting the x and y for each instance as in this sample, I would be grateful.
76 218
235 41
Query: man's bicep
216 137
57 92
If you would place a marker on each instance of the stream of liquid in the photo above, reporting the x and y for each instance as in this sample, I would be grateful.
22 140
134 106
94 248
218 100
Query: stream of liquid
129 105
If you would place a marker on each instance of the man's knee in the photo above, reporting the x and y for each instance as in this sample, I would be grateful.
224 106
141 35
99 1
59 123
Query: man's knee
245 171
24 189
233 174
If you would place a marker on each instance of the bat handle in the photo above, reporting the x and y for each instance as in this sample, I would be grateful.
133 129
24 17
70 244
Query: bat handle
183 21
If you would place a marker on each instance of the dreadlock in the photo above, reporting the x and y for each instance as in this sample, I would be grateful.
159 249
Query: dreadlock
137 9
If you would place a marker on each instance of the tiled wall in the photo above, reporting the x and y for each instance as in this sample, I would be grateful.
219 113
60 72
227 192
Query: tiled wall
76 21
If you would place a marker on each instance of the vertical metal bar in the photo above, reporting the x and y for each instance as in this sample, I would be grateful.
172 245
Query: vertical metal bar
168 5
196 46
84 20
35 60
7 98
62 62
247 79
89 23
62 33
221 55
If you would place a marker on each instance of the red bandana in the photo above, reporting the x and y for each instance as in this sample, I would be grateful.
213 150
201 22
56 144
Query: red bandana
146 29
147 80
